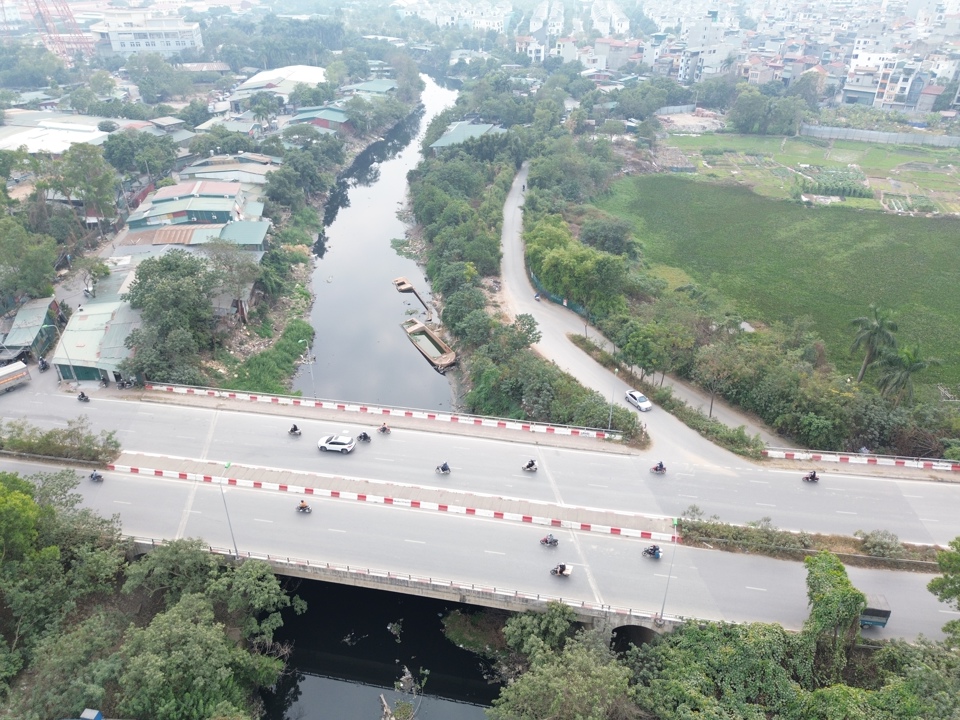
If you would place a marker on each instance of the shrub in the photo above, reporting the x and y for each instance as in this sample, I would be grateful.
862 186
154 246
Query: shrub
880 543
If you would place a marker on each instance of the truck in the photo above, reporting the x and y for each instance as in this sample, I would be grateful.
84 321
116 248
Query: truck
876 613
13 375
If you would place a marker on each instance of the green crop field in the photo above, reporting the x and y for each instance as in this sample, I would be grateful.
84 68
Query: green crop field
778 260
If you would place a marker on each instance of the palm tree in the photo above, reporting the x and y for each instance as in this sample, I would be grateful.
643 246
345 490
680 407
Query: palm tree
898 368
874 335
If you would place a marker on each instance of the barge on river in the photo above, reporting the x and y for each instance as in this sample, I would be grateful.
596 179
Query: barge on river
435 350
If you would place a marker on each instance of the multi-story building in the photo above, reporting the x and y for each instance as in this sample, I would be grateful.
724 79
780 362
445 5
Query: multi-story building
133 33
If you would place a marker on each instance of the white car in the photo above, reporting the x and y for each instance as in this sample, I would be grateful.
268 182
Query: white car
337 443
639 400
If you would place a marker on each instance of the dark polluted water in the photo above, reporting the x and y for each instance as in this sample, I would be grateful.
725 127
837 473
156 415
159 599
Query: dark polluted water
361 352
353 644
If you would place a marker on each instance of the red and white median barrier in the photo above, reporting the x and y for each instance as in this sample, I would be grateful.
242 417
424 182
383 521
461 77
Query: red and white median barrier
415 504
857 459
387 412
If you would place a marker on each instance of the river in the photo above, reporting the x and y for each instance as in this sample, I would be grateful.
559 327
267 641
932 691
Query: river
344 657
361 353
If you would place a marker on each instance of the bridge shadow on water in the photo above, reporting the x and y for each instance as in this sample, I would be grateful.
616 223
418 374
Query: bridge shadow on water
353 644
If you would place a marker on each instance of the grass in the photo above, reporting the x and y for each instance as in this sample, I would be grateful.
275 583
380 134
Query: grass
778 260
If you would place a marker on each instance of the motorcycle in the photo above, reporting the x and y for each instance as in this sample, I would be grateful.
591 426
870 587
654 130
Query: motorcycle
43 365
295 433
811 477
96 477
124 384
562 570
658 471
383 430
529 468
549 541
363 437
653 552
83 398
443 469
304 509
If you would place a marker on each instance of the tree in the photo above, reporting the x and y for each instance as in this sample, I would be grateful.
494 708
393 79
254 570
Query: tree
584 682
88 177
102 83
611 235
283 187
897 368
82 98
107 126
749 112
18 523
26 260
808 87
156 78
183 665
947 586
252 591
91 269
875 334
173 570
195 113
834 621
714 365
236 269
301 134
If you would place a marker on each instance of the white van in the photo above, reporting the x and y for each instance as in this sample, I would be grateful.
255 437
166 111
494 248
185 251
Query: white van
13 375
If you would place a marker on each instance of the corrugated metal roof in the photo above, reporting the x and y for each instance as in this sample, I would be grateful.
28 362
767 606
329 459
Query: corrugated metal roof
197 188
27 323
245 233
462 131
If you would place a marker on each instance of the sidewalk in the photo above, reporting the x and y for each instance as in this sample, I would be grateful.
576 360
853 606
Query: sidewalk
510 509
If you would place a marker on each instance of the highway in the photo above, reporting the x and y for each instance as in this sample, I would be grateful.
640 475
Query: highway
607 569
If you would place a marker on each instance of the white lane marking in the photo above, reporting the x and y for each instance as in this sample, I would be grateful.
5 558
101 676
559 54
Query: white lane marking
928 520
259 520
592 485
950 612
756 588
336 530
760 482
918 497
196 512
663 576
380 459
121 502
685 474
493 552
845 512
418 542
765 504
688 496
185 437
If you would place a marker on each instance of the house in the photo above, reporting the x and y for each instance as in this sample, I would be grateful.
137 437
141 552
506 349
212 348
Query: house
245 168
197 202
371 88
330 117
29 330
462 131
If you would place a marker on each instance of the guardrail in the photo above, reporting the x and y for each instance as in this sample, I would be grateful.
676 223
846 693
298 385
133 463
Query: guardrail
389 412
863 459
529 601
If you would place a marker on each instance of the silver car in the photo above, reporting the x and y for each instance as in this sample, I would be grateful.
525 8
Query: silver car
639 400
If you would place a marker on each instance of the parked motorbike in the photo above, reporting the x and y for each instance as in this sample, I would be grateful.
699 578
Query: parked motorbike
562 570
653 551
304 509
549 541
811 477
658 471
124 384
83 398
443 469
96 477
529 467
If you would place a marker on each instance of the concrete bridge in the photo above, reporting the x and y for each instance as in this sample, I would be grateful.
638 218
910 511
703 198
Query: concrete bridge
637 625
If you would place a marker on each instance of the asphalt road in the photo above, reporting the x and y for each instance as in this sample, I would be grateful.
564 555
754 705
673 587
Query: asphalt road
607 569
917 511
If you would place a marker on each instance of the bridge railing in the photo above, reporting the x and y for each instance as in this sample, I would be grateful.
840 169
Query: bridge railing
531 601
862 459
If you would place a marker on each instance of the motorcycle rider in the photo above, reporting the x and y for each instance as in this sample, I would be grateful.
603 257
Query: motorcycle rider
812 475
82 396
384 429
531 464
444 467
294 430
659 467
303 505
363 436
561 568
550 539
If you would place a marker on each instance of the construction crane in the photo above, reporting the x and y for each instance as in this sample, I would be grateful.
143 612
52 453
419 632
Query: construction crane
59 30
